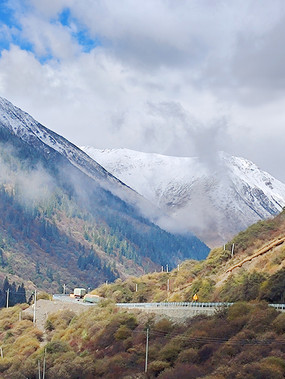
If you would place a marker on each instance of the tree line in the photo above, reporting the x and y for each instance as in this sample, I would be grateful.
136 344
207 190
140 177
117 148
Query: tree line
15 294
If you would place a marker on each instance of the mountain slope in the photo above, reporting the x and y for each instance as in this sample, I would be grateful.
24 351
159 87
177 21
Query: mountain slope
215 202
255 271
64 218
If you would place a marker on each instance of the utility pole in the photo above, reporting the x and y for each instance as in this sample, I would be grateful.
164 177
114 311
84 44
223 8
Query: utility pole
7 304
35 304
44 365
233 247
146 350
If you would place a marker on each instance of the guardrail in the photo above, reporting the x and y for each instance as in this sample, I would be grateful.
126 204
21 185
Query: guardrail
187 304
184 304
278 306
174 304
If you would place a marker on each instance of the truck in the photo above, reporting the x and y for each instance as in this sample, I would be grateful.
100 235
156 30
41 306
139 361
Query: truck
79 292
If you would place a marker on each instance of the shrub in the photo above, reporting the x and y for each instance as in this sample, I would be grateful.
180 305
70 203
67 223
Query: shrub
164 325
205 353
123 333
169 352
182 371
279 323
156 367
49 325
56 347
276 362
274 291
44 296
259 371
5 363
188 356
261 319
237 310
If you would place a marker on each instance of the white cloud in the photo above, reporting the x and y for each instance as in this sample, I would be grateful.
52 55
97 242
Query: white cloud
176 77
49 39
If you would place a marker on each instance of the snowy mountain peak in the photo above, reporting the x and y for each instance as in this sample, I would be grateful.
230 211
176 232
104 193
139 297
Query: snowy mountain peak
215 204
32 132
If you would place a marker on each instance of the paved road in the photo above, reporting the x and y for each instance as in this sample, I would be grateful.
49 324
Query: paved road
175 305
70 300
45 307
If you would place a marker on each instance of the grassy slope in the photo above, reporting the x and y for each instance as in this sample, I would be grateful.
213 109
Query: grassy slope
209 279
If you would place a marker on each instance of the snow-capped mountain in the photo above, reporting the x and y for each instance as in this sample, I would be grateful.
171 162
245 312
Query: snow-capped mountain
111 223
32 132
214 202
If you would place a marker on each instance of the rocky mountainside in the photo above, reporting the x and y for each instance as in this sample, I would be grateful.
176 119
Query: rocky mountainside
214 201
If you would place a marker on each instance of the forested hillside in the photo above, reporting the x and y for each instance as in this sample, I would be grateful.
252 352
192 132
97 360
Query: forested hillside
59 226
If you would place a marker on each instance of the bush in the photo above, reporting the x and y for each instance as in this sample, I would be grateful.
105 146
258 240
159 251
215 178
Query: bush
261 319
274 291
205 353
279 323
49 325
56 347
164 325
44 296
237 310
188 356
169 352
123 333
260 371
182 371
156 367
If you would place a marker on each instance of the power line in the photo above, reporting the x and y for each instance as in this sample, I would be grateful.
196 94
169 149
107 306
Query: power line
208 339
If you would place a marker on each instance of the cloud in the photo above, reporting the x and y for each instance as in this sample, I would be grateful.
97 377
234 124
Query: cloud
30 185
175 77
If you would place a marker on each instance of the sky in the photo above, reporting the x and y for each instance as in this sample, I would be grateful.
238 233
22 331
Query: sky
182 78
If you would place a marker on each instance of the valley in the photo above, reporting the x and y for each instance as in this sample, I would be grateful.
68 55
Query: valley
67 222
66 219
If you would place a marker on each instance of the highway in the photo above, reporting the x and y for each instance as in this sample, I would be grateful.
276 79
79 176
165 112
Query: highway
68 299
163 305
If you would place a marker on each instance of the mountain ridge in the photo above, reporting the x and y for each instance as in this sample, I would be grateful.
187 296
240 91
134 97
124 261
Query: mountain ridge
215 200
57 219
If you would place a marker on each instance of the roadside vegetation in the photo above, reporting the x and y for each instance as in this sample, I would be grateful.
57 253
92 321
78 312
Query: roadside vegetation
243 341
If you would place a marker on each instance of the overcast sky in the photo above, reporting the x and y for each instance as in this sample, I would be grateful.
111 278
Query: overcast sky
177 77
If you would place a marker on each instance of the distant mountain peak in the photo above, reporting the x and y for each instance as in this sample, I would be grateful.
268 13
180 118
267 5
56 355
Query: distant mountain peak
215 203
